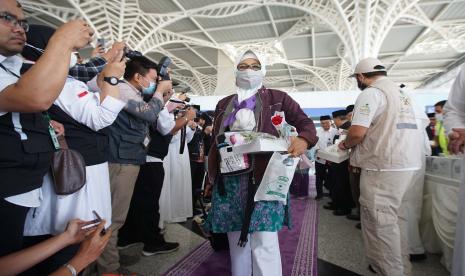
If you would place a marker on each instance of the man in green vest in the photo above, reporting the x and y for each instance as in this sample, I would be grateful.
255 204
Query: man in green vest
441 136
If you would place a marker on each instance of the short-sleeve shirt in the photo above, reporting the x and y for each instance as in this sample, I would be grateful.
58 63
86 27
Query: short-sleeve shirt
370 104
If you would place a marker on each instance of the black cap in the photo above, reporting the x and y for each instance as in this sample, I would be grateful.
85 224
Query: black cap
431 115
441 103
325 117
338 113
206 117
350 108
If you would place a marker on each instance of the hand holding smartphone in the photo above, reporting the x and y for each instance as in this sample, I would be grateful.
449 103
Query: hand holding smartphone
99 220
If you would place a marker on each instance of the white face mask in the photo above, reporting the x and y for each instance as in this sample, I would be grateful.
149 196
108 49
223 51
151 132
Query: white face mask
439 117
73 60
248 79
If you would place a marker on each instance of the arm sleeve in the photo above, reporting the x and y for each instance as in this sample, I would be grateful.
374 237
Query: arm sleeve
189 134
454 110
93 86
145 111
165 122
365 108
86 108
87 71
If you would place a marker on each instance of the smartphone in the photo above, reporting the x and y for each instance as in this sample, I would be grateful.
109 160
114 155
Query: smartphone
99 219
101 42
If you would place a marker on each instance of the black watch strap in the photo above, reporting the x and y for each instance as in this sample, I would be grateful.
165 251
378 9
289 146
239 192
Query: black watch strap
111 80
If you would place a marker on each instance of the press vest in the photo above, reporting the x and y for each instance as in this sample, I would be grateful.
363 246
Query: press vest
26 152
159 144
391 142
92 145
127 136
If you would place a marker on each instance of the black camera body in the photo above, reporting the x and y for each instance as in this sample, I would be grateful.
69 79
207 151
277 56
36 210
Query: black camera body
163 65
131 53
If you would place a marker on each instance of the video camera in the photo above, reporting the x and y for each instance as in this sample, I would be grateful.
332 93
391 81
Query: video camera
162 69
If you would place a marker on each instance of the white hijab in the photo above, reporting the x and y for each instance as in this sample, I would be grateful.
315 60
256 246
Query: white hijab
243 94
245 118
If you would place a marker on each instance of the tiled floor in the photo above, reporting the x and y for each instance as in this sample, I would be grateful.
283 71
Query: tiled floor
157 264
340 243
340 250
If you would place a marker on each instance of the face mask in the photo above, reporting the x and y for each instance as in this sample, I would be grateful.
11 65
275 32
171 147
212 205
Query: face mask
248 79
149 90
439 117
73 60
361 85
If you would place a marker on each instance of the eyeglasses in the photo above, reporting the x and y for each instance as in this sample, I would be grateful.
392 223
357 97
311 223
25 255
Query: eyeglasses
243 67
13 21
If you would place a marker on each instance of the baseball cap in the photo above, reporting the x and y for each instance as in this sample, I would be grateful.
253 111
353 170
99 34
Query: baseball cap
368 65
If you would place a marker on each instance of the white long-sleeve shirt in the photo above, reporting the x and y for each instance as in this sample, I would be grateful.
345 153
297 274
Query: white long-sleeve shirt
85 107
325 139
454 110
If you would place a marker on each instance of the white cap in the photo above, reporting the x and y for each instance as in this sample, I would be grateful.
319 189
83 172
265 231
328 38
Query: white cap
368 65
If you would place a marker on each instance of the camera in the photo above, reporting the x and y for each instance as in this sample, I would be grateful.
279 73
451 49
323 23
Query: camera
131 53
187 98
163 65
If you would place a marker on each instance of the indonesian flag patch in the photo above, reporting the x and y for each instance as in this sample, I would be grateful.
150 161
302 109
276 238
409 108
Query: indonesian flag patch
82 94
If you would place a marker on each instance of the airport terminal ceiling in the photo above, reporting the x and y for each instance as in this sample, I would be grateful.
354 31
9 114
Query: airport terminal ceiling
310 45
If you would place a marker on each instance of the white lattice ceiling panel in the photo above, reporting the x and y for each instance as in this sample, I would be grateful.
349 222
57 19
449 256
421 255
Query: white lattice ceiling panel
315 43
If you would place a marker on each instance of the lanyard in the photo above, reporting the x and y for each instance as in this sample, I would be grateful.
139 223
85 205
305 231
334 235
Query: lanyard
51 131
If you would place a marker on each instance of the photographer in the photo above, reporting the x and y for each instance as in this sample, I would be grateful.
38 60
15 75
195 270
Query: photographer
143 217
197 152
85 117
127 150
25 139
87 71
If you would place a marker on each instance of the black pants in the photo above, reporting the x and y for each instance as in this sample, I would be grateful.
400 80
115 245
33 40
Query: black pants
52 263
342 195
322 178
143 216
197 174
12 227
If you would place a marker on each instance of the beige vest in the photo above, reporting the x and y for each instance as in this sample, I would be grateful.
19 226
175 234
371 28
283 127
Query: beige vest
392 141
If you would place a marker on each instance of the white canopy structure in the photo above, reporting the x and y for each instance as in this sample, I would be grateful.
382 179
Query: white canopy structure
310 44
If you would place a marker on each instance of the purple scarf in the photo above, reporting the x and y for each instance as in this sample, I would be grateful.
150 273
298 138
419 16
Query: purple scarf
248 103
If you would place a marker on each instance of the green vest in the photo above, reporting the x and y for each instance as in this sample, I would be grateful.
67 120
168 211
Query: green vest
442 137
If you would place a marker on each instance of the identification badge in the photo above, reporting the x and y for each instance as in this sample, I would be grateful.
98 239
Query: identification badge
53 135
232 162
51 131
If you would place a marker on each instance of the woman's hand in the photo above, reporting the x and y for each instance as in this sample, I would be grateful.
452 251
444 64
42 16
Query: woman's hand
298 146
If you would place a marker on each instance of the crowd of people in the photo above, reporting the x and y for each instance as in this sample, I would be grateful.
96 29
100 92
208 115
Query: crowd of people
149 157
113 110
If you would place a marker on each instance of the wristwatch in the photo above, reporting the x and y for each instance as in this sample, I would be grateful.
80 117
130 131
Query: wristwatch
111 80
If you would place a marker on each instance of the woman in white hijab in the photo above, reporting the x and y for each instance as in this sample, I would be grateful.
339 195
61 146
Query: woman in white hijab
233 209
